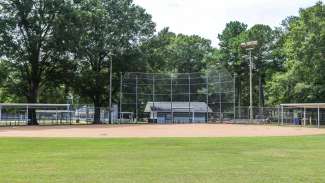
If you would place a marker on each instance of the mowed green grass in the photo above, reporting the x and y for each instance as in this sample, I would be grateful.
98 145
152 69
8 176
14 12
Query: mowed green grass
154 160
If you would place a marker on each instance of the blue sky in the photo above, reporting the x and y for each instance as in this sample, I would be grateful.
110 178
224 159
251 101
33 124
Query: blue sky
207 18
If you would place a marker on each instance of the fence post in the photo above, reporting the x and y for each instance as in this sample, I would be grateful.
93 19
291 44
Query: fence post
171 98
27 114
136 98
318 118
220 110
304 116
153 97
189 98
282 115
121 94
57 115
279 115
239 107
207 97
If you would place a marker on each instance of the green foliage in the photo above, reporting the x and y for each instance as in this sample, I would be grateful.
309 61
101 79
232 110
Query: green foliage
52 49
105 30
5 94
230 39
304 48
27 44
188 53
168 52
157 52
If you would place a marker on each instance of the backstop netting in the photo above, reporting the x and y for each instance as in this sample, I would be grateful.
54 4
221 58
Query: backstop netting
178 97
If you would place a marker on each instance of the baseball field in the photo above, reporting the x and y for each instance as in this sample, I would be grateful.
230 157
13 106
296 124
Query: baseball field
109 157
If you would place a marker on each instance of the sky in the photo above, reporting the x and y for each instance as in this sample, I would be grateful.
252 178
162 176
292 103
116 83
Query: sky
207 18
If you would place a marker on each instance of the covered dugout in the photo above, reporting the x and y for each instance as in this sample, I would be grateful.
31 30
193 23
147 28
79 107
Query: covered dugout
305 114
45 114
178 112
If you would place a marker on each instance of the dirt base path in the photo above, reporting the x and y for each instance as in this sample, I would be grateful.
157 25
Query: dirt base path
181 130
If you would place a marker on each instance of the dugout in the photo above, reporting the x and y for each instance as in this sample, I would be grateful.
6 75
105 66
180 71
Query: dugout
45 114
178 112
305 114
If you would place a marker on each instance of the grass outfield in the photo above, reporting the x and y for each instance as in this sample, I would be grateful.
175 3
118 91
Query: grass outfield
260 159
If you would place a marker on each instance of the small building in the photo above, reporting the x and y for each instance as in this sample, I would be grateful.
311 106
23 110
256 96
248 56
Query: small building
177 112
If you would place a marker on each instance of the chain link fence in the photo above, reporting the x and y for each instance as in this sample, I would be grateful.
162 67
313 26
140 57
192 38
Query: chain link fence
178 97
281 116
84 114
54 114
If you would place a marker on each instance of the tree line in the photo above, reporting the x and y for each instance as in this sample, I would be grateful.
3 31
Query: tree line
54 49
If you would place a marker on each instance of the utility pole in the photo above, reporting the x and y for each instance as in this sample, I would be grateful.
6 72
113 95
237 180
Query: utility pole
136 98
110 89
234 82
250 85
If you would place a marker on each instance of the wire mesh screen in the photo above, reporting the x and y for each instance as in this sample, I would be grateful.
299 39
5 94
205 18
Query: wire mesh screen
178 97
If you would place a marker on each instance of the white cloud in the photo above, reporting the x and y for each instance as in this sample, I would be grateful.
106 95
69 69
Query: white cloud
207 18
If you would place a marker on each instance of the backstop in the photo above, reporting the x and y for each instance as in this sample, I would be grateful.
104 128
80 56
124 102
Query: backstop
178 97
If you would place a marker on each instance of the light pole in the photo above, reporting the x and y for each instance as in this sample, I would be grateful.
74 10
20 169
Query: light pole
249 46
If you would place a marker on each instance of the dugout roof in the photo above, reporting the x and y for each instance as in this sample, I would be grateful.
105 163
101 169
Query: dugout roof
33 105
177 107
304 105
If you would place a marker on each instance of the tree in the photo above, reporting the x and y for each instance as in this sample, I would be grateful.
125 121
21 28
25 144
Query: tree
27 43
304 46
157 52
5 94
263 55
106 29
188 53
168 52
230 39
230 56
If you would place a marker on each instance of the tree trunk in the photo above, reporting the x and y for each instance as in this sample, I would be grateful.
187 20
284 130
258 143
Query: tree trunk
32 119
261 94
32 98
97 111
261 91
239 96
97 115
